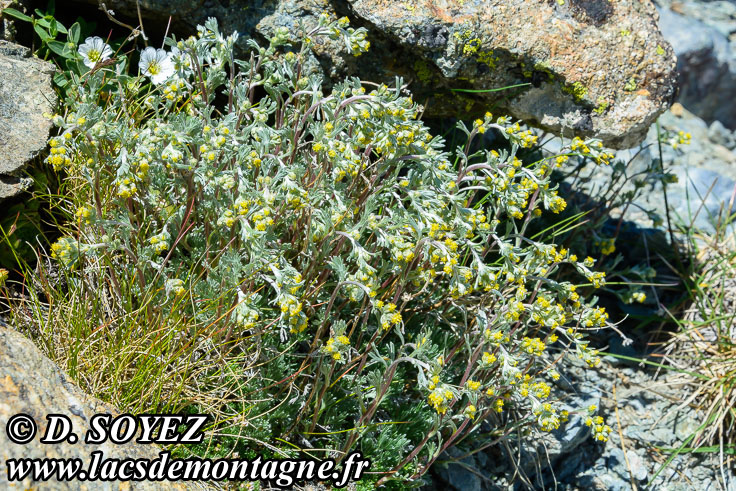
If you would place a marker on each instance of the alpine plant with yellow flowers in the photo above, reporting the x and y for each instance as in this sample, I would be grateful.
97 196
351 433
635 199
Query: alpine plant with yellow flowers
385 286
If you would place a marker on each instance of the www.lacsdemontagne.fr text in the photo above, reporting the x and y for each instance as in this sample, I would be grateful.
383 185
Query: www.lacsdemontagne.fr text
282 473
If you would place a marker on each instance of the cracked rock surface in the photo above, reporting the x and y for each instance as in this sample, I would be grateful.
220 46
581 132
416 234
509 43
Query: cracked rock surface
25 95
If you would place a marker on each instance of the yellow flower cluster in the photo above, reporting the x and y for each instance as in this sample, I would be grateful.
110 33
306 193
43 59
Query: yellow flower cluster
83 214
682 138
596 152
440 397
473 385
65 250
597 424
127 187
608 246
174 90
557 204
58 157
291 313
175 286
488 358
639 297
525 139
389 316
262 219
227 219
547 417
533 346
337 347
159 242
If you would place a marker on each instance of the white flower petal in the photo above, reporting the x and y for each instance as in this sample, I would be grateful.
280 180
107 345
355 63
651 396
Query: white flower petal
148 54
156 64
94 50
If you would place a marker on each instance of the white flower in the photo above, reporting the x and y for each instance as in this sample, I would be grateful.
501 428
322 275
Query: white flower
94 50
156 63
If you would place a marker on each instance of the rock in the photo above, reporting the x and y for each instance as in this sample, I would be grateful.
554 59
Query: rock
30 383
25 95
592 68
459 478
7 26
179 10
706 62
558 48
569 437
637 466
705 171
721 135
719 14
625 467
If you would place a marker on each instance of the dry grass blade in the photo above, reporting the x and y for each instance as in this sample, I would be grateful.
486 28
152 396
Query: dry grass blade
706 341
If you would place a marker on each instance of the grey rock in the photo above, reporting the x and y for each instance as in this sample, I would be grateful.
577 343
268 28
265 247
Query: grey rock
154 9
649 417
686 426
719 14
584 76
462 479
706 66
13 185
569 83
570 436
659 436
721 135
461 475
705 171
30 383
612 483
626 466
25 95
616 462
637 465
702 195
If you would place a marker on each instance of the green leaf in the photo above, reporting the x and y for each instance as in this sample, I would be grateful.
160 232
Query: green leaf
60 80
50 22
61 49
41 33
75 65
17 14
53 29
74 32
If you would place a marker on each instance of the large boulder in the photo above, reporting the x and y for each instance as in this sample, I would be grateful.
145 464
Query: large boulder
25 95
592 68
705 45
33 385
596 68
